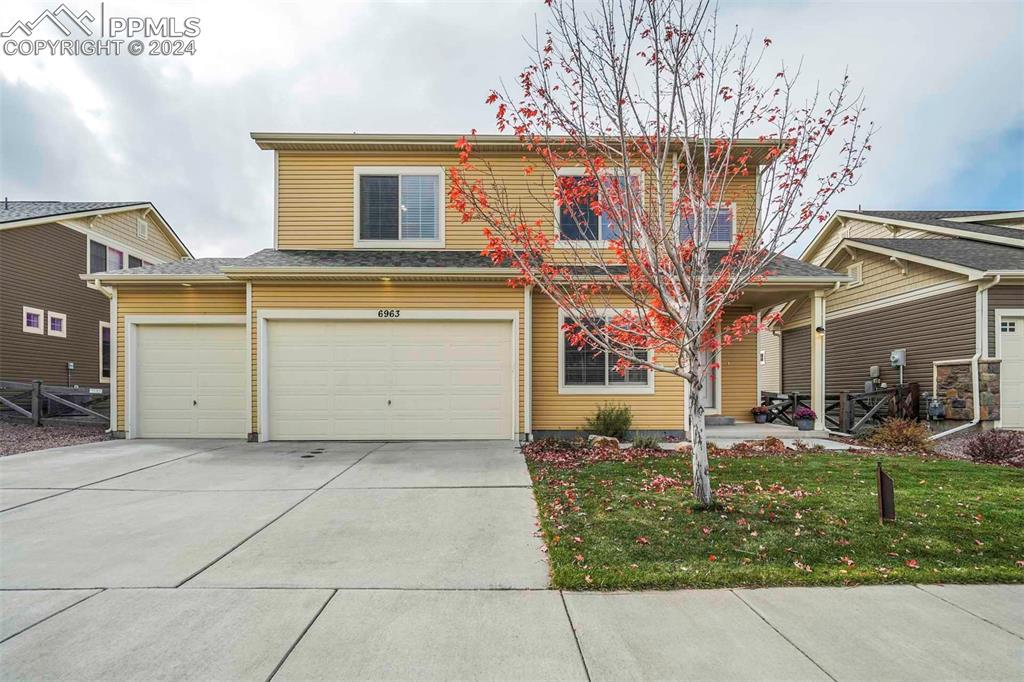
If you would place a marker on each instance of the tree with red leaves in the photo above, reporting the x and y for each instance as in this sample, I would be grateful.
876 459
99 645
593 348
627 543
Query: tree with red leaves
651 125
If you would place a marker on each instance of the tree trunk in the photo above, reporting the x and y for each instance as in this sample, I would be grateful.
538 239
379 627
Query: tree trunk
699 448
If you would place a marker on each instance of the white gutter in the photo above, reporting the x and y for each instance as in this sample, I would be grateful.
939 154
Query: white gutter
980 333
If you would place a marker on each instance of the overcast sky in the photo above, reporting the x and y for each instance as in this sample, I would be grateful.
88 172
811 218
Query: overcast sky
944 81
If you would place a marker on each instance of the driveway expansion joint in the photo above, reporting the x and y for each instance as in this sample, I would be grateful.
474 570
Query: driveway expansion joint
65 491
99 590
279 516
301 636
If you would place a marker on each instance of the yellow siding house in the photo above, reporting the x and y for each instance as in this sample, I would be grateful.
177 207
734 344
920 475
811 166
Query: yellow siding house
375 316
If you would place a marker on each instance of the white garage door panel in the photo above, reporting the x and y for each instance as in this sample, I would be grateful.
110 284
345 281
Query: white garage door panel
334 379
1011 387
179 364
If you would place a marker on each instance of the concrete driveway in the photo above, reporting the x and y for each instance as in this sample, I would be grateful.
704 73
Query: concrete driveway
226 560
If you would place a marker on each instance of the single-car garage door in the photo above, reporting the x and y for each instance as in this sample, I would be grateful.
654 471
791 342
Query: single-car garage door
381 380
1011 371
191 381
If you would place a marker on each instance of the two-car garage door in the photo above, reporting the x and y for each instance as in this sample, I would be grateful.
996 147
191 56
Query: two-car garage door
362 379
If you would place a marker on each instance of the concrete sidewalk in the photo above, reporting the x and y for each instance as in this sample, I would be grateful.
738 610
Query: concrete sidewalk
898 633
225 560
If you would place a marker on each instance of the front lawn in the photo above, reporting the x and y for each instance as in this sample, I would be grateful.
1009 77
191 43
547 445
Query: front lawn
794 519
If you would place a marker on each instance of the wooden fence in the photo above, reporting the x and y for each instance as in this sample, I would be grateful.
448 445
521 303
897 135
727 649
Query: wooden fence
849 411
35 401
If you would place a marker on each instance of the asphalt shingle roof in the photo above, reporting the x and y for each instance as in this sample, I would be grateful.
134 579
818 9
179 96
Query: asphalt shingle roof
365 258
783 266
934 218
197 266
964 252
13 211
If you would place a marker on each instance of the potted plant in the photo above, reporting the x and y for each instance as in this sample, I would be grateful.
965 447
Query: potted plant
804 418
760 413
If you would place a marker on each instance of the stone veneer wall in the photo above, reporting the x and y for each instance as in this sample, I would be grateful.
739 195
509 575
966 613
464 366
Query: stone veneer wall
957 390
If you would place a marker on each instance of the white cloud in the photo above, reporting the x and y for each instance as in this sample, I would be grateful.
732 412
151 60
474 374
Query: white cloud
941 78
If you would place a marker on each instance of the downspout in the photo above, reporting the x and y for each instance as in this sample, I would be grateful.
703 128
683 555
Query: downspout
109 293
980 334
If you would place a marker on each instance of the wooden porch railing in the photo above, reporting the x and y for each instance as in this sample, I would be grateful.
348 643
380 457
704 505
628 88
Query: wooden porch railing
848 411
36 401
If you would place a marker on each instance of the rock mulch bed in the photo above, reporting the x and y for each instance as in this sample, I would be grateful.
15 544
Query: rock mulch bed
15 437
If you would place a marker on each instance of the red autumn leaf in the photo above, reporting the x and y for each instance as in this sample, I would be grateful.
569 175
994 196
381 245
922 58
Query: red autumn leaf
911 563
846 560
641 540
712 557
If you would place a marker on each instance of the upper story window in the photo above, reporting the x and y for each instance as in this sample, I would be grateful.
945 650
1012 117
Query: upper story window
399 207
578 221
720 219
103 258
31 320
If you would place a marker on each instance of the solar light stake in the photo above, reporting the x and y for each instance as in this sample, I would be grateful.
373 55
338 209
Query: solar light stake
886 496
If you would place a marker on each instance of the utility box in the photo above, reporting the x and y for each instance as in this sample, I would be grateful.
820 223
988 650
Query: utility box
898 358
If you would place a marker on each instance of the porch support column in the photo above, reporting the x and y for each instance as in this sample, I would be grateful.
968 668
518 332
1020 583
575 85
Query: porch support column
818 358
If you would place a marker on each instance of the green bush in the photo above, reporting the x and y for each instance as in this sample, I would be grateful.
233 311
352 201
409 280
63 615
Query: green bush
646 443
611 420
901 435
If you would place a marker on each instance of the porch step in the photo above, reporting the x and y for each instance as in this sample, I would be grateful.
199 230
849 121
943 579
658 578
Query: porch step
719 420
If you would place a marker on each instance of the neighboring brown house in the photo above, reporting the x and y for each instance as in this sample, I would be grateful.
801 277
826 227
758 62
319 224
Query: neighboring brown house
946 287
53 326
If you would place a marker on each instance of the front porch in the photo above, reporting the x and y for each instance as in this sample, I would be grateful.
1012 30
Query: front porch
725 436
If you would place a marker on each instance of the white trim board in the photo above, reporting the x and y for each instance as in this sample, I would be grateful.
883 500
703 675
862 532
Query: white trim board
130 340
871 306
266 315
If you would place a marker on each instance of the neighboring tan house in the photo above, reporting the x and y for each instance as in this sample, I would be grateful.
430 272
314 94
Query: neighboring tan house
375 316
53 326
947 287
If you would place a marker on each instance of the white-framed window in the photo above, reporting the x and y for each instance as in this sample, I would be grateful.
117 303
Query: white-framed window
592 371
103 258
399 206
579 222
720 219
1008 327
105 346
142 228
856 271
31 320
56 324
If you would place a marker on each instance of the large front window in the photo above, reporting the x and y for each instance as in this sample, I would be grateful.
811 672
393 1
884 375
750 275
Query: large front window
591 369
399 208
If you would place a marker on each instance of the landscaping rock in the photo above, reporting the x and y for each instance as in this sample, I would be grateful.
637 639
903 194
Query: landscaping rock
596 441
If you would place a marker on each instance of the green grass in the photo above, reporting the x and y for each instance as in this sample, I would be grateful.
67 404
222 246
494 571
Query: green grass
959 521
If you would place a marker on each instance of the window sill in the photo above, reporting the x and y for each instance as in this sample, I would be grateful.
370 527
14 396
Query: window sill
606 390
33 330
581 243
399 244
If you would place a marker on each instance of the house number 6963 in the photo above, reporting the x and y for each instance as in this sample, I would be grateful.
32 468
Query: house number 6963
389 312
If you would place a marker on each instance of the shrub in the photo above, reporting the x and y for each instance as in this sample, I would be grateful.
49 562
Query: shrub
995 446
611 420
804 412
901 435
646 443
